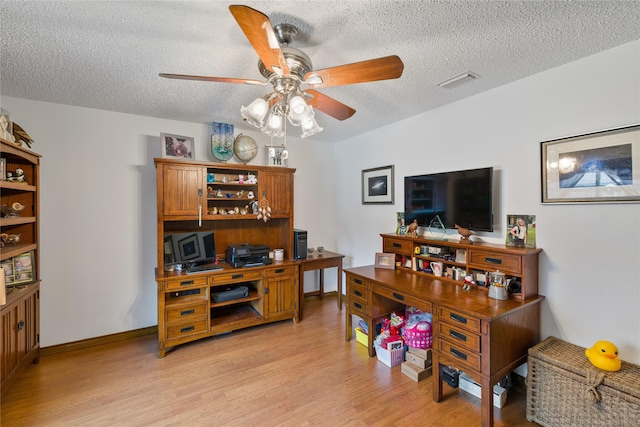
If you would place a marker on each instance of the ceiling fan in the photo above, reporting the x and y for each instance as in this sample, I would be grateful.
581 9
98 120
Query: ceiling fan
293 78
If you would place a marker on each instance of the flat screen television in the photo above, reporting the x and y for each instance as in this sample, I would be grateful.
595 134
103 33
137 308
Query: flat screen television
191 248
461 197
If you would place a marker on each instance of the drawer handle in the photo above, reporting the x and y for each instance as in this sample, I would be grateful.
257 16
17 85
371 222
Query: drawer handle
458 335
187 312
280 270
397 245
458 354
191 328
357 293
237 276
493 260
458 318
358 281
398 296
357 305
186 283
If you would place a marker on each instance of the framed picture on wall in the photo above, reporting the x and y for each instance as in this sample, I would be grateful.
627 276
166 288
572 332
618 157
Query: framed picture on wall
600 167
177 146
377 185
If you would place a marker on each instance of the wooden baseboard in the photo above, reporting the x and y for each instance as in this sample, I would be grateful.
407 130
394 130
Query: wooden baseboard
91 342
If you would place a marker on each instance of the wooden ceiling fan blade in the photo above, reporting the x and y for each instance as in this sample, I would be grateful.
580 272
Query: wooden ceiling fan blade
328 105
258 29
213 79
385 68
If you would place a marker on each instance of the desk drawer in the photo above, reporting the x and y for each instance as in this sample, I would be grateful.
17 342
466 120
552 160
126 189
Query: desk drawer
491 261
358 291
186 329
279 271
397 246
460 354
238 276
458 319
459 336
185 283
191 312
358 305
404 299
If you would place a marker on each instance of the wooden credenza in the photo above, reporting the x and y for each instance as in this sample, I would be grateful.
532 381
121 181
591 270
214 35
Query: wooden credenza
484 337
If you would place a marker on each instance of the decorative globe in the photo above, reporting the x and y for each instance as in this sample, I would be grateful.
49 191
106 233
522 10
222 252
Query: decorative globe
245 148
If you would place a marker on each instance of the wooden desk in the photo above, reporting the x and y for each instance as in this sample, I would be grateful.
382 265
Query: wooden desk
317 261
484 337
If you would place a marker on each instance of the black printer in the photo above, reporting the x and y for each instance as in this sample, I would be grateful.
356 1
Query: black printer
246 255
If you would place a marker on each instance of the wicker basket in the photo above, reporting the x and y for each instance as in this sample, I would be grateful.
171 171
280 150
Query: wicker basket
564 389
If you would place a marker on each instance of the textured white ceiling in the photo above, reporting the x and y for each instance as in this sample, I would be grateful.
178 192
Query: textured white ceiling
107 54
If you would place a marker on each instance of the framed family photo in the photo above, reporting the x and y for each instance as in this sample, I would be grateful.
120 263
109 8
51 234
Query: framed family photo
600 167
377 185
177 146
521 230
384 260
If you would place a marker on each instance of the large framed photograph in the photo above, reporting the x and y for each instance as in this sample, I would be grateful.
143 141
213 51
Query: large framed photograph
384 260
177 146
600 167
377 185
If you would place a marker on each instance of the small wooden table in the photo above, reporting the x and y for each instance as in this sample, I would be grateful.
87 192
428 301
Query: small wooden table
317 261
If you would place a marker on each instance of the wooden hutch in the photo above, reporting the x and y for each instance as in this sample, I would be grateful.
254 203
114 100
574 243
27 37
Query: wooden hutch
203 196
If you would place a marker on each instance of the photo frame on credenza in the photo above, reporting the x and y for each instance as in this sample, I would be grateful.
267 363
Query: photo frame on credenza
177 146
599 167
385 260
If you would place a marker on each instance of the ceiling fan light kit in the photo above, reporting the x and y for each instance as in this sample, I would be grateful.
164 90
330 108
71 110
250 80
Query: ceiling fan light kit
287 69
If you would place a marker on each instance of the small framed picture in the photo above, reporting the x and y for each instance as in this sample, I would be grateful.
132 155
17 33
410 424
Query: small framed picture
276 155
521 231
19 269
377 185
177 146
384 260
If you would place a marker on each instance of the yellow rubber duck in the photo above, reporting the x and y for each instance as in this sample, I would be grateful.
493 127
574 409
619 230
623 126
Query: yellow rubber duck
604 355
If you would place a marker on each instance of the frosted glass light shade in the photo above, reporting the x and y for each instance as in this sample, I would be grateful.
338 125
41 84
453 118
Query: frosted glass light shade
274 125
310 127
255 113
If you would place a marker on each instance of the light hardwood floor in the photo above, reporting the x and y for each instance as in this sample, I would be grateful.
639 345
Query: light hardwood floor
282 374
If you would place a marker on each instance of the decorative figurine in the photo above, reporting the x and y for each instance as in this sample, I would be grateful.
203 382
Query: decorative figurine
412 229
465 233
251 179
5 126
250 195
604 355
219 193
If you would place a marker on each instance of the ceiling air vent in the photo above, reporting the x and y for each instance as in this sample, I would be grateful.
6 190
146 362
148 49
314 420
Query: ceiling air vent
458 80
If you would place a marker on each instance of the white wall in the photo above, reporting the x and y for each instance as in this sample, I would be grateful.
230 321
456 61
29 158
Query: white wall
98 198
590 264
